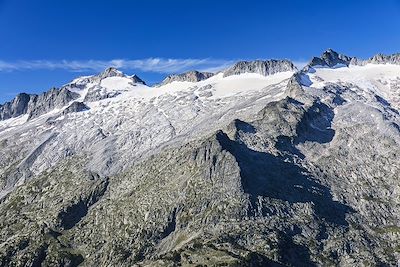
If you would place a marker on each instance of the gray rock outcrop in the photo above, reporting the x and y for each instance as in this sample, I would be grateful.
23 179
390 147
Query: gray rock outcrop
41 104
378 59
110 72
293 173
330 59
190 76
16 107
36 105
75 107
263 67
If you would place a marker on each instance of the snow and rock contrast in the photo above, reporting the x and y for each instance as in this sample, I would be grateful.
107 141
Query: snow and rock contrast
262 67
258 165
190 76
330 59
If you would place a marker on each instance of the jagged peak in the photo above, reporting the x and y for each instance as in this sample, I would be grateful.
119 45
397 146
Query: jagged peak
263 67
189 76
35 105
330 58
136 79
380 58
111 72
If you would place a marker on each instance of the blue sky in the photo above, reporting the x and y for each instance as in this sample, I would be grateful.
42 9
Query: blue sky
46 43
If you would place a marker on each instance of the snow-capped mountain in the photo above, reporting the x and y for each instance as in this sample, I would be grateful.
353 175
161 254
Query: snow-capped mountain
258 165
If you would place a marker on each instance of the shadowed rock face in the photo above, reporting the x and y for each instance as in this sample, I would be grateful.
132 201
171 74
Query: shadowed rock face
15 108
240 197
190 76
36 105
265 68
330 59
75 107
48 101
136 79
305 180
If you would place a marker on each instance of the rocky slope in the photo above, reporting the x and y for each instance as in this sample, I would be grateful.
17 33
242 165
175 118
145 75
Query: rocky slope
265 166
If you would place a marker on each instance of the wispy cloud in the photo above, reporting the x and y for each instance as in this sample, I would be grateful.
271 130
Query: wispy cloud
157 65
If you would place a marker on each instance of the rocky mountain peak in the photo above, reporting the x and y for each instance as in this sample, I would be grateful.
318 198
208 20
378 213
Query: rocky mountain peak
137 79
385 59
263 67
111 72
298 170
330 58
189 76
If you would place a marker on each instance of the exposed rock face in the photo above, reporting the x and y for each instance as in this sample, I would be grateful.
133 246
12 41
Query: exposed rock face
110 72
136 79
330 59
75 107
265 68
98 92
379 59
15 108
190 76
36 105
303 172
41 104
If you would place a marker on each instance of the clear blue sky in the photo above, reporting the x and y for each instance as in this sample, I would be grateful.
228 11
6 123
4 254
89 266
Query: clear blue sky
47 43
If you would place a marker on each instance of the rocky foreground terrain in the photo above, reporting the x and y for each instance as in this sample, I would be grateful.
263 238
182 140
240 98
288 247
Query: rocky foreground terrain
258 165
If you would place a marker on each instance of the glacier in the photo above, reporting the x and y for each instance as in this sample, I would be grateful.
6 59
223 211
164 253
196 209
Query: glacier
261 164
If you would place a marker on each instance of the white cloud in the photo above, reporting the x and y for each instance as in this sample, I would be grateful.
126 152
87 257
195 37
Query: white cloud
158 65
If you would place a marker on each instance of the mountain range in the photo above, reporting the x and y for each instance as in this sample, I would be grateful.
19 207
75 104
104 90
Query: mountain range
260 164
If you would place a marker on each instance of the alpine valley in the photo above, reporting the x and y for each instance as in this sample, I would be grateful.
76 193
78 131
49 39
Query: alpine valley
261 164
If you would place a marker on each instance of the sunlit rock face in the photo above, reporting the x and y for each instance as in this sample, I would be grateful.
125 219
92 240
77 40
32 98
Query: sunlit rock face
258 165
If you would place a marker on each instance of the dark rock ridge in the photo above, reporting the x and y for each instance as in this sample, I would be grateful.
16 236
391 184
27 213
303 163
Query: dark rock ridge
136 79
263 67
330 59
75 107
190 76
36 105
